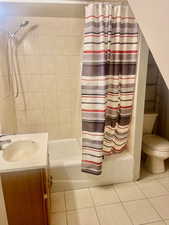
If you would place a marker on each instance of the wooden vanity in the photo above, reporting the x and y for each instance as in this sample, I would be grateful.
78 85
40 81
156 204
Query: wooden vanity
26 197
24 179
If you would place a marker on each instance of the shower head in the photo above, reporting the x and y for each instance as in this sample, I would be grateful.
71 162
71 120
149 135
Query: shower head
23 24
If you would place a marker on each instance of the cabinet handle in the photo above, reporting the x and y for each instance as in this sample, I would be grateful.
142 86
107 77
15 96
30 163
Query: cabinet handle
45 196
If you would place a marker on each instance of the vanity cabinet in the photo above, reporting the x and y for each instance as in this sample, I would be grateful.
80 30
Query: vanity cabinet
26 197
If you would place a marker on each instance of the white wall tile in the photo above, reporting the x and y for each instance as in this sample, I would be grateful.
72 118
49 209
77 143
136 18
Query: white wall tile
49 62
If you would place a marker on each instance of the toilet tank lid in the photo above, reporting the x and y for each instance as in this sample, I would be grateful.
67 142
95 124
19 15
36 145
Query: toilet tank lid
156 142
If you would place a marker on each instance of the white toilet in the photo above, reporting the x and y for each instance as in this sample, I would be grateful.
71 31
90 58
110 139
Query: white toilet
155 147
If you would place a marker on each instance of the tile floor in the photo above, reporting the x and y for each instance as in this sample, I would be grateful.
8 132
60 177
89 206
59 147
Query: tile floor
143 202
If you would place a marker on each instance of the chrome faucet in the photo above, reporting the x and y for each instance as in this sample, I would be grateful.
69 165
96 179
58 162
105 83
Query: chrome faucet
3 142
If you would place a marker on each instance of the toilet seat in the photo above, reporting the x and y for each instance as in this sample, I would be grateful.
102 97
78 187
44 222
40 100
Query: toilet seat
156 143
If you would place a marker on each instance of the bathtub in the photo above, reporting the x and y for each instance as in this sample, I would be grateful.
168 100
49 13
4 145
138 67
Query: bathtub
65 167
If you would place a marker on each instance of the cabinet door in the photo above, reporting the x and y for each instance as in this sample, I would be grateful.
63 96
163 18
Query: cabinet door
24 198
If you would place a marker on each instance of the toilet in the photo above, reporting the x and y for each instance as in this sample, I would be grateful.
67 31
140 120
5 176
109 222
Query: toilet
155 147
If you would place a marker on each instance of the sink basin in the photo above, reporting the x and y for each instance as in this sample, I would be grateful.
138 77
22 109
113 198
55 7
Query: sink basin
20 151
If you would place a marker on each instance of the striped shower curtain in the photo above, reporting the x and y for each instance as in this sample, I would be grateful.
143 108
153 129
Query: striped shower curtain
108 80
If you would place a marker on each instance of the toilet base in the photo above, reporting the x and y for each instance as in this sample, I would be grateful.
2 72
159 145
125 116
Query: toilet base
155 165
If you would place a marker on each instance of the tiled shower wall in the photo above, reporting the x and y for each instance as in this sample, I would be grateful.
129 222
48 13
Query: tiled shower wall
49 59
152 86
7 105
157 95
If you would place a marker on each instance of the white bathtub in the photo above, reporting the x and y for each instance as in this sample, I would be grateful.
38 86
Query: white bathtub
65 167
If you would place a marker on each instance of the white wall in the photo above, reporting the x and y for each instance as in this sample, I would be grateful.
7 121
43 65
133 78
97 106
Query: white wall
135 140
153 18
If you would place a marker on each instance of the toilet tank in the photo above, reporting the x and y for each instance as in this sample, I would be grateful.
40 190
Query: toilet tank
149 121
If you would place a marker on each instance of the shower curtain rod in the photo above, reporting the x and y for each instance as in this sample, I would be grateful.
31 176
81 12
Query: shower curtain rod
87 2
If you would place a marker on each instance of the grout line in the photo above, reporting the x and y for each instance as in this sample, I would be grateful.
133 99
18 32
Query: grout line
153 222
131 200
73 210
124 207
94 206
160 195
112 203
65 208
163 184
148 199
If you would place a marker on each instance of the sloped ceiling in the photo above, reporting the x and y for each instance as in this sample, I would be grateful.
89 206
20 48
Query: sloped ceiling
153 18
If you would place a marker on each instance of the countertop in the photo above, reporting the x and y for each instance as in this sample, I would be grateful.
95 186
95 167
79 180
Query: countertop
39 160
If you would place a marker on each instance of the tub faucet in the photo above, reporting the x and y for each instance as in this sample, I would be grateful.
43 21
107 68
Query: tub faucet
3 142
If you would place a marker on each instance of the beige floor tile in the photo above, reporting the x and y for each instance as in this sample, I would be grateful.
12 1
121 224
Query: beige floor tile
78 199
145 175
104 195
82 217
156 223
152 188
128 191
165 182
161 204
113 215
167 222
161 175
58 218
57 202
141 212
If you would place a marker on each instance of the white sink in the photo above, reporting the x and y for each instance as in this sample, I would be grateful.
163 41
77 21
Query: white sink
20 151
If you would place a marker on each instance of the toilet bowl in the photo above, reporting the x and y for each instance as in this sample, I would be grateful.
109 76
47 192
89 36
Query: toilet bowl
157 150
155 147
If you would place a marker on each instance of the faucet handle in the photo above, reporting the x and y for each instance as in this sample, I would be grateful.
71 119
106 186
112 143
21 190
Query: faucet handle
3 135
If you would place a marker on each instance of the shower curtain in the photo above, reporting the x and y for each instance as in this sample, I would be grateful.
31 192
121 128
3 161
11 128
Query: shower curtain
107 83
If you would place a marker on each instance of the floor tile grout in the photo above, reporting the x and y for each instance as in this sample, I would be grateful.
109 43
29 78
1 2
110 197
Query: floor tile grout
121 202
94 207
148 199
152 222
113 203
65 208
124 208
163 184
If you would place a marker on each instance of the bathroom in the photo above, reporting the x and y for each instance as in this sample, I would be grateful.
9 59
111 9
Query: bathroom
41 100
